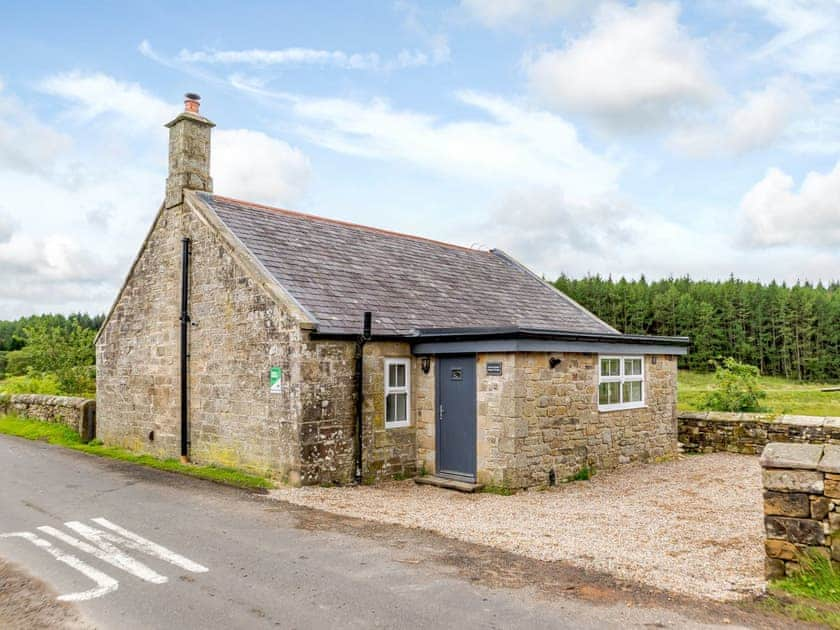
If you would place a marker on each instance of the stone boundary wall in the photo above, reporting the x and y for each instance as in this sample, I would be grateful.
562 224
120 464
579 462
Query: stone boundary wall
801 501
77 413
712 431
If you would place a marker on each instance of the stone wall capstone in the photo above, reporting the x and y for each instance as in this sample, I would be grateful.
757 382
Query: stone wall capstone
77 413
801 501
712 431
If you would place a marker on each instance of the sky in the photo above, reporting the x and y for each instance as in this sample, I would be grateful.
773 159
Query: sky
582 137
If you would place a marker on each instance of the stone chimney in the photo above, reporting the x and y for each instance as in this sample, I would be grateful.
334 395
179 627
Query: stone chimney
189 152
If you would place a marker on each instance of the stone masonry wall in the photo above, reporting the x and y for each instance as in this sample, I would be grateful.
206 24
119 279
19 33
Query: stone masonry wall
425 416
708 432
533 418
238 332
391 451
801 500
77 413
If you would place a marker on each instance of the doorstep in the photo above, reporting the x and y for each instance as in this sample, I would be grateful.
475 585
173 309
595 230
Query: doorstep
449 484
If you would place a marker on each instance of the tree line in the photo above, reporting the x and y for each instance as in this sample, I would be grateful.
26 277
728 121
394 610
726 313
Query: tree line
785 330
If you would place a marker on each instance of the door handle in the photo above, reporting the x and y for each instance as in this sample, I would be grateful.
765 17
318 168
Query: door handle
441 412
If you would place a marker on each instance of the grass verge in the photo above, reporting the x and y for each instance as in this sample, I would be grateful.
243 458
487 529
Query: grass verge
811 595
61 435
783 396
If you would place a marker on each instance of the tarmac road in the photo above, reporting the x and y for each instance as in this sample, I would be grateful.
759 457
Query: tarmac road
132 547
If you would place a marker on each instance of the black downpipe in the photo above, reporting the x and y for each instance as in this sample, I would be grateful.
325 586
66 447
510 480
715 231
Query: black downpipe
360 376
185 326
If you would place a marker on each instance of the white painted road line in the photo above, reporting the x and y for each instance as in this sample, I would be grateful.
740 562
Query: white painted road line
107 552
105 547
104 583
130 539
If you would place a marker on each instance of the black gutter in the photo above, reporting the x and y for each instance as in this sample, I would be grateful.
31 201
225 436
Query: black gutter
360 381
474 334
185 323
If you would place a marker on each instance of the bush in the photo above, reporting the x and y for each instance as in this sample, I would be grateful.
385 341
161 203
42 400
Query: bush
736 388
17 362
31 384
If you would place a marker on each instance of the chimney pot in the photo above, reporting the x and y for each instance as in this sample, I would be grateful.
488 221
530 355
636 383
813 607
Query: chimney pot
192 102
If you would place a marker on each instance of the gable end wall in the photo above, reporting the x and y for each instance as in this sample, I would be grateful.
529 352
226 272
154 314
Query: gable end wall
239 332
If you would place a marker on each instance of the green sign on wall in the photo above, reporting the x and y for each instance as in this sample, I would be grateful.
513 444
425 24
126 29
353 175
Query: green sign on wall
275 379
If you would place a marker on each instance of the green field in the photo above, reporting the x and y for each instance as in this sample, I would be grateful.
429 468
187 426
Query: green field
783 396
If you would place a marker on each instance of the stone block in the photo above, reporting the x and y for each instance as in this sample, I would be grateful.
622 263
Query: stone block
781 549
830 461
809 481
832 488
820 507
835 549
794 504
833 522
787 455
796 530
802 421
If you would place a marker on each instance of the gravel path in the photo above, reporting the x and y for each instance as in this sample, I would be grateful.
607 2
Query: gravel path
693 525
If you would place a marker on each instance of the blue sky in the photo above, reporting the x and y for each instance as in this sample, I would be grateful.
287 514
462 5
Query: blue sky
656 138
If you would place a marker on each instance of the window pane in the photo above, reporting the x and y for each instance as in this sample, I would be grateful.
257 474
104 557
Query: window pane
396 375
608 394
632 367
395 408
609 367
389 407
632 391
402 399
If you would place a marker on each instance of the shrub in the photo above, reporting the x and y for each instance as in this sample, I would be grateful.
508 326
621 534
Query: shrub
17 362
736 388
31 384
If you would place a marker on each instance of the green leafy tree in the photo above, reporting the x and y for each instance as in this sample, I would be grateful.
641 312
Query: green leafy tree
736 388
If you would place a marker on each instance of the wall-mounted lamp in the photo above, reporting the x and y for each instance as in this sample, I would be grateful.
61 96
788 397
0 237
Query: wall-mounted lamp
553 362
425 364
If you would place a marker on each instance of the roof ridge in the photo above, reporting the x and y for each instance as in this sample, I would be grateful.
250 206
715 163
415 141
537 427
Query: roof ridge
368 228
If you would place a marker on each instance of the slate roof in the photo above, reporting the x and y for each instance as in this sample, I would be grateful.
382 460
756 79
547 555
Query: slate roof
337 270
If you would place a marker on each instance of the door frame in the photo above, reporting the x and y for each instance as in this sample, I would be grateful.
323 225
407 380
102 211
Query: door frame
471 478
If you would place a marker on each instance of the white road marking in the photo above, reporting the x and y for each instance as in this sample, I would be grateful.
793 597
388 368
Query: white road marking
132 540
105 548
104 583
107 552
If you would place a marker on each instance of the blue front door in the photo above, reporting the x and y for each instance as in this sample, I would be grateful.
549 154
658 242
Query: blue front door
456 430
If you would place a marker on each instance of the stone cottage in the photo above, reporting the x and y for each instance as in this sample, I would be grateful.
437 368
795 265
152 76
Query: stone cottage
322 351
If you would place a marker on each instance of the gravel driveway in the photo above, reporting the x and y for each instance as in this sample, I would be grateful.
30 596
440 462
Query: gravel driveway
693 525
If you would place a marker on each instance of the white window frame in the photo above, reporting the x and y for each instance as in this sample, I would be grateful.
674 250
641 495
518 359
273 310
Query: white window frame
620 379
397 390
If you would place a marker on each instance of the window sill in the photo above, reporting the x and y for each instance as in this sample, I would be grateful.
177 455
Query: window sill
397 425
621 407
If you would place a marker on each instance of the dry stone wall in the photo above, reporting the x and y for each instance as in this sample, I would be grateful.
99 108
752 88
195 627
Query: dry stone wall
708 432
801 501
77 413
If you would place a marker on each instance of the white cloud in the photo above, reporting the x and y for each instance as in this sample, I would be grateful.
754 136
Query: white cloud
69 232
775 213
610 236
26 144
808 40
514 145
406 58
254 166
634 68
503 13
762 117
95 94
